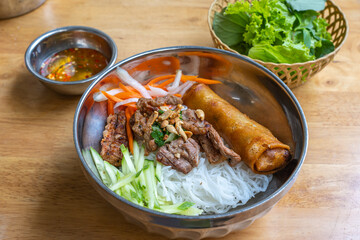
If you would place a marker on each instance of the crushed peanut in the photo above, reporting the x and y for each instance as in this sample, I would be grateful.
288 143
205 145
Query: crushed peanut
171 129
188 134
164 123
200 114
180 130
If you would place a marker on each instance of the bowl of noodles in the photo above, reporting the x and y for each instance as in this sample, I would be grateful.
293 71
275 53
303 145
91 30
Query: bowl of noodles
190 142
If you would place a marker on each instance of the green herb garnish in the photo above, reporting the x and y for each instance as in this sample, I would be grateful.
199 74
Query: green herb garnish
158 135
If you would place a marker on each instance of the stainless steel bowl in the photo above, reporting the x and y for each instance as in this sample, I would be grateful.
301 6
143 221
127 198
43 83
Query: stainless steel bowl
13 8
64 38
248 86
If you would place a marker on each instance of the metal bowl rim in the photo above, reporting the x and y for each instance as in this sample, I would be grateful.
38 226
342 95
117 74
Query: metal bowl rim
194 48
48 34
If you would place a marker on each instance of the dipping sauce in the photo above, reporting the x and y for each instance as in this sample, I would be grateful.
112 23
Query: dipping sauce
73 64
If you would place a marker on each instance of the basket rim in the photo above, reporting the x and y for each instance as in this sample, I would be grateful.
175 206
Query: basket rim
281 64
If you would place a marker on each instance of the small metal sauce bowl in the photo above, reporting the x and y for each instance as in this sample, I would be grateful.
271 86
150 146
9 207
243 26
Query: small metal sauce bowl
64 38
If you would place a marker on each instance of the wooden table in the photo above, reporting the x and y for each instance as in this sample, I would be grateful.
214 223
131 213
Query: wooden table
44 194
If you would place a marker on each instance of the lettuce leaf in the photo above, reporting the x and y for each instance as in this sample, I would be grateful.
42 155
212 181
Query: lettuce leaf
230 27
303 5
286 53
282 31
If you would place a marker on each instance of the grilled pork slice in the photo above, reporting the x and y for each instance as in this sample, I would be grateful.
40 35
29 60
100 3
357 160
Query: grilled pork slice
208 138
215 149
113 136
148 105
181 155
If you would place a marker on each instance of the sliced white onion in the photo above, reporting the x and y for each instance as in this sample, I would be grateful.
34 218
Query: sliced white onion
157 92
176 82
188 85
125 77
115 91
129 100
99 97
179 88
106 86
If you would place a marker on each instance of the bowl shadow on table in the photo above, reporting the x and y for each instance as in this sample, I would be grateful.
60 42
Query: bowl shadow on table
30 96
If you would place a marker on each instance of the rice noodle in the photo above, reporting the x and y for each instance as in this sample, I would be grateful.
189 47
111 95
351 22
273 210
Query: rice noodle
213 188
125 77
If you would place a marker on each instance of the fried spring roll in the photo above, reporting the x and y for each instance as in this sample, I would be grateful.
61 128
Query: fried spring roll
256 145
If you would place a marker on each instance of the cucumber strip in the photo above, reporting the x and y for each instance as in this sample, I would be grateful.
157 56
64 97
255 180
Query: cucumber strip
177 209
90 162
152 169
129 163
140 163
117 172
99 163
124 168
150 186
193 211
123 181
150 196
158 174
110 172
136 154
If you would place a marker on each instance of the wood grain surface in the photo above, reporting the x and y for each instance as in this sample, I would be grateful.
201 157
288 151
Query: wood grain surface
44 194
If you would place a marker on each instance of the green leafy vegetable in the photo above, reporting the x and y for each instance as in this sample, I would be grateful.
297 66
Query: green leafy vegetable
279 31
286 53
303 5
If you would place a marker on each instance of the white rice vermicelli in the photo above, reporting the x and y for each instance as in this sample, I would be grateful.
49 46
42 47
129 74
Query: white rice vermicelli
213 188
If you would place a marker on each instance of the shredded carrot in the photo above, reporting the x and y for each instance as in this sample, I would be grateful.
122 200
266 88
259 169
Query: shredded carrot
178 95
128 129
115 99
202 80
125 88
131 105
110 107
125 95
185 78
164 84
158 79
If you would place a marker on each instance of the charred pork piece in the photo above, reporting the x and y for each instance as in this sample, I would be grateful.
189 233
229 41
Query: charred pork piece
148 105
141 124
138 123
149 141
215 149
193 123
113 136
181 155
208 137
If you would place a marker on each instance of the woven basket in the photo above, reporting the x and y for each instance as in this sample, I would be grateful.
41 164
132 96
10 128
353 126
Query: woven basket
294 74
